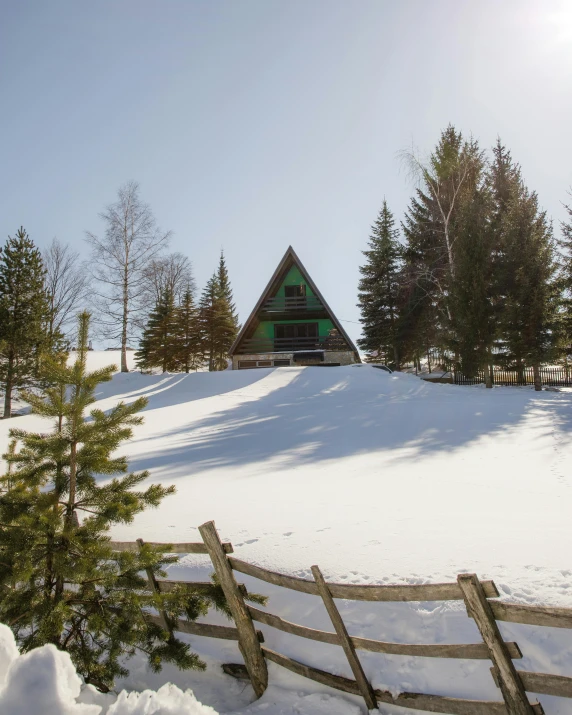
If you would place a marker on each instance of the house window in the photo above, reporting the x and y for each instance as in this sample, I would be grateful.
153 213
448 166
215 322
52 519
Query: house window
295 336
295 291
281 363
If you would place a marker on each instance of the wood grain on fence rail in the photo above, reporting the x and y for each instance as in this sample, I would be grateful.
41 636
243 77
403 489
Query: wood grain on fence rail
248 639
532 615
345 641
200 587
182 548
479 609
542 683
193 628
409 592
472 651
418 701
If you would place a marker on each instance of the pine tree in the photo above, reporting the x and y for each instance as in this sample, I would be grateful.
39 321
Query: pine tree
565 285
217 323
60 581
379 290
158 345
226 292
24 316
474 286
433 225
189 348
527 268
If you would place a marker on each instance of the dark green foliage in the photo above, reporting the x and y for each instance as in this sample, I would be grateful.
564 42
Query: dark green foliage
474 285
478 279
218 321
24 316
225 289
526 267
189 350
60 582
565 286
158 346
379 291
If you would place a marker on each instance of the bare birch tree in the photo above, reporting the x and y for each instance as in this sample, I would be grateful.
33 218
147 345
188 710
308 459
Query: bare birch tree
67 283
119 264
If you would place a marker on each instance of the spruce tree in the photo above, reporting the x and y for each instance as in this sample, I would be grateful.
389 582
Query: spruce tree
226 293
60 580
526 255
565 285
474 286
24 316
189 347
379 291
217 324
158 345
433 225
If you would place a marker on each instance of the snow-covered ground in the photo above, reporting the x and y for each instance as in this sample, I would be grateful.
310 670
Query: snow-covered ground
376 477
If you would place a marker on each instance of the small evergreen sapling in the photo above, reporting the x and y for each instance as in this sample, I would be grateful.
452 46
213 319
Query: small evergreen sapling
60 581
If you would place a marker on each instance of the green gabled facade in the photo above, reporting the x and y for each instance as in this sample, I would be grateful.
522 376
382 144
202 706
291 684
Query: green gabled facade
292 324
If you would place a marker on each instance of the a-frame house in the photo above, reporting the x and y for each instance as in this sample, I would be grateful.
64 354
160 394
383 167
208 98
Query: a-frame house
292 325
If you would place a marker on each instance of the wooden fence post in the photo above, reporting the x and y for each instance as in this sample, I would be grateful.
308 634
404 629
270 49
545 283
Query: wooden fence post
480 610
247 636
345 640
153 583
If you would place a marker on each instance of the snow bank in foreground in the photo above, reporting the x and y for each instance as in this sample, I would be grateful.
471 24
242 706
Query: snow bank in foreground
45 681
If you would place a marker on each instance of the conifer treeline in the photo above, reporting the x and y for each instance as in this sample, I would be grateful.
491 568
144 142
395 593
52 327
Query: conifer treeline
475 273
181 336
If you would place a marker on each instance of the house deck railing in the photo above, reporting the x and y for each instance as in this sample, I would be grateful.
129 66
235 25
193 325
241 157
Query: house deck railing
255 346
285 305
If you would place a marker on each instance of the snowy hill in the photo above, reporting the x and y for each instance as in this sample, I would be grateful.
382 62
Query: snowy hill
375 477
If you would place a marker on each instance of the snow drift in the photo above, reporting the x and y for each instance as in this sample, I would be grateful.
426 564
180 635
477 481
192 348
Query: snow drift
44 682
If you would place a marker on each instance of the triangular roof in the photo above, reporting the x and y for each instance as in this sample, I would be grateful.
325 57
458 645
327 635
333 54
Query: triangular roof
289 259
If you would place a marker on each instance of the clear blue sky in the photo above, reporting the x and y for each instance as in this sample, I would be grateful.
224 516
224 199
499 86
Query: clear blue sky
253 124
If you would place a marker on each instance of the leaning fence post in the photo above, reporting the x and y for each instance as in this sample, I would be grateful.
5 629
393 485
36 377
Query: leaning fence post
154 585
247 636
345 640
480 610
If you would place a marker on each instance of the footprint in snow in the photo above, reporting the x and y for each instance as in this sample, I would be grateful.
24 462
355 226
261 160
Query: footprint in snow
287 533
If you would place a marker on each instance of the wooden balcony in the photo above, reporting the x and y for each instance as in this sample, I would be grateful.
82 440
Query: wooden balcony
255 346
304 306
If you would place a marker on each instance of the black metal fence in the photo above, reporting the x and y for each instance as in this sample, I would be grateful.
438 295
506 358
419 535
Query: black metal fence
558 376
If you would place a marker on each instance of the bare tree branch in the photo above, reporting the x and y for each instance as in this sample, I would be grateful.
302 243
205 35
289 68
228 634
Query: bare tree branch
67 282
120 261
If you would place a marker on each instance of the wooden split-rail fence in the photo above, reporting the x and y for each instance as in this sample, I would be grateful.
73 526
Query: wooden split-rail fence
477 595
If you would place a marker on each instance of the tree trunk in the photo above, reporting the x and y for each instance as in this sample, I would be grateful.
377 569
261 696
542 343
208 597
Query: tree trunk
73 473
537 380
124 367
488 377
396 358
489 371
9 386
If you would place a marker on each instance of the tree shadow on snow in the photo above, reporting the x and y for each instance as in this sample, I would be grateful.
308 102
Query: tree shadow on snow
321 415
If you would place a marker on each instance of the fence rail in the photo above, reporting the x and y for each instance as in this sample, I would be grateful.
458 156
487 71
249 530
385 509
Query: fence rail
549 376
477 595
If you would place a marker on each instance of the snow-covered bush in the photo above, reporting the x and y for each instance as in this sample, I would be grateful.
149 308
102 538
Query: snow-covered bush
45 682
